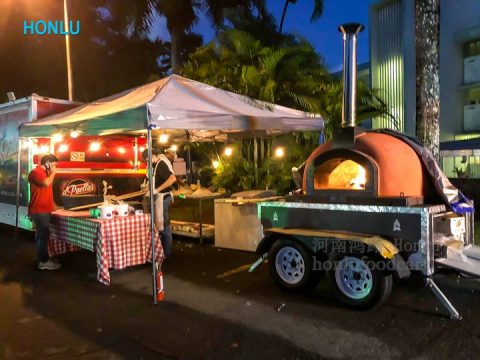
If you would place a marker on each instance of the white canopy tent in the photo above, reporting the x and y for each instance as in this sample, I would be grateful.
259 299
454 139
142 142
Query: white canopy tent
182 107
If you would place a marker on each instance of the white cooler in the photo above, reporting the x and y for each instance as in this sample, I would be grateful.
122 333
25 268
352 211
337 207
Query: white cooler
237 226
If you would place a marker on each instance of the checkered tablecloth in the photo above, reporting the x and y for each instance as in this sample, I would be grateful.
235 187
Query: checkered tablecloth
119 242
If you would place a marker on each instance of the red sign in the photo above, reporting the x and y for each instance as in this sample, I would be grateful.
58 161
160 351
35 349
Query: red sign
76 187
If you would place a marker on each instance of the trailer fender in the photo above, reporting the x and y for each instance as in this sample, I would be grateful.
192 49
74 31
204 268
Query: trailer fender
267 241
385 248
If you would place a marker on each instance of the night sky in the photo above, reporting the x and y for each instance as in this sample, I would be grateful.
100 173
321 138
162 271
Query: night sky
322 34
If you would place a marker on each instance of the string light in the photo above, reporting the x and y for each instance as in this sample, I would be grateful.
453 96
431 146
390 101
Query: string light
74 134
63 148
121 150
215 164
280 152
174 147
228 151
57 137
163 139
95 146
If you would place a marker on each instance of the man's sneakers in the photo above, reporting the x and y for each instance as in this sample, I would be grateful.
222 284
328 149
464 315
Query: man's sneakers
49 265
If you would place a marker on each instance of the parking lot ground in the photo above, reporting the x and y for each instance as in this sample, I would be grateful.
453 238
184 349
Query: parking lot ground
215 309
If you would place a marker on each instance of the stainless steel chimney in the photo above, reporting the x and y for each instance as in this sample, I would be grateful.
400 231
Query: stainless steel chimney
350 32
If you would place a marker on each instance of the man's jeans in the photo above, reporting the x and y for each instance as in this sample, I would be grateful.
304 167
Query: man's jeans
166 233
42 224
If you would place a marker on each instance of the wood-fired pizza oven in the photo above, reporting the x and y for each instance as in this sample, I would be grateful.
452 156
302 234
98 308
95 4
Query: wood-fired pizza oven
373 164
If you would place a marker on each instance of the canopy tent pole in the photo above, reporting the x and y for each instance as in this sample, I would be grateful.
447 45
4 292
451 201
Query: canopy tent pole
135 155
321 137
189 159
19 157
151 186
255 160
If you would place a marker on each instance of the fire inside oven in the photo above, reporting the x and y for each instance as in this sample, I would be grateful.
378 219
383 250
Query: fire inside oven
342 170
340 174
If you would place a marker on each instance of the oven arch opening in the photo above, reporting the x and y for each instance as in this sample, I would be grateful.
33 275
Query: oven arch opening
344 171
340 174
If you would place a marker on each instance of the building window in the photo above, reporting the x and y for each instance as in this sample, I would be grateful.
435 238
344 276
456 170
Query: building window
471 48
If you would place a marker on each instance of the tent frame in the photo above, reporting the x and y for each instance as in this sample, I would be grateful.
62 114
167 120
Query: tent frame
238 114
149 129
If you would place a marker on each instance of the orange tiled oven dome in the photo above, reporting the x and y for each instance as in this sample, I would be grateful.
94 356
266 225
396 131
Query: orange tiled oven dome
374 164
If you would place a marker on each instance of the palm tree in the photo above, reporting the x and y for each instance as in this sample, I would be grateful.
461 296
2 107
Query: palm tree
237 62
427 42
316 13
292 75
182 15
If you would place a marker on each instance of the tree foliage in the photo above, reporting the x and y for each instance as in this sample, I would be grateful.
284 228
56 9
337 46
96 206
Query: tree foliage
316 13
289 74
182 15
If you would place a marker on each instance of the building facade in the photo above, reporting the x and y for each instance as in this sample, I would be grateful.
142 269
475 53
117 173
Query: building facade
392 69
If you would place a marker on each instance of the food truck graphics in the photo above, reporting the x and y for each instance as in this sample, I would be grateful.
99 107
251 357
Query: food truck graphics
12 114
80 171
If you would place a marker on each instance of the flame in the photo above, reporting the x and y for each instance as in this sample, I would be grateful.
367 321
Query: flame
348 175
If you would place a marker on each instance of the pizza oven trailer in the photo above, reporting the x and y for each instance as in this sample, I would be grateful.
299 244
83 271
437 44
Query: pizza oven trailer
374 205
370 212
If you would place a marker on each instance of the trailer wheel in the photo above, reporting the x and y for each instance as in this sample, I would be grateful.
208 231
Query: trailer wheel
291 265
356 282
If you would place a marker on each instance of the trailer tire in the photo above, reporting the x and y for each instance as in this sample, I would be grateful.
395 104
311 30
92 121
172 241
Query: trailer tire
357 283
291 265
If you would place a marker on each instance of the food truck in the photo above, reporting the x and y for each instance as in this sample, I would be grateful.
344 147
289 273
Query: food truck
87 164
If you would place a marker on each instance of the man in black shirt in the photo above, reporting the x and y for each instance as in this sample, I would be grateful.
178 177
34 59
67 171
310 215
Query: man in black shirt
164 179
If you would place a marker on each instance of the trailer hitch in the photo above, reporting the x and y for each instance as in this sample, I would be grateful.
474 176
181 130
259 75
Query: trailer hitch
454 314
257 263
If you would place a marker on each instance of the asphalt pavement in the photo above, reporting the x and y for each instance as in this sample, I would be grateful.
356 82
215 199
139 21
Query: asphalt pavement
214 309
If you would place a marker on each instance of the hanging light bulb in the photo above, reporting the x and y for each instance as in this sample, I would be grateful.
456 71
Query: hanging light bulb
228 151
215 164
122 150
174 147
163 139
74 134
95 146
57 137
63 148
280 152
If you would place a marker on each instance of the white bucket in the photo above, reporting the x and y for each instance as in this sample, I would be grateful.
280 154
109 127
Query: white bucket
106 211
121 209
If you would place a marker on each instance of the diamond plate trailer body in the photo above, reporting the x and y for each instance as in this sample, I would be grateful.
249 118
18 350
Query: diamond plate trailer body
405 237
410 229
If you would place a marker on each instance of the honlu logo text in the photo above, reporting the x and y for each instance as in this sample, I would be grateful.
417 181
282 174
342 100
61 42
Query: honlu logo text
42 27
79 187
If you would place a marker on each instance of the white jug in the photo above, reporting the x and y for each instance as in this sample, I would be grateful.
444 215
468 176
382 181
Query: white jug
121 209
106 211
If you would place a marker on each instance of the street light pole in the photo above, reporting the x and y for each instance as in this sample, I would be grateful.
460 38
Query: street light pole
67 45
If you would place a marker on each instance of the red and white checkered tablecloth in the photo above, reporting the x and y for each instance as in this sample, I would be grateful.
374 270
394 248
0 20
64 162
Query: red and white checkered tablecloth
119 242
